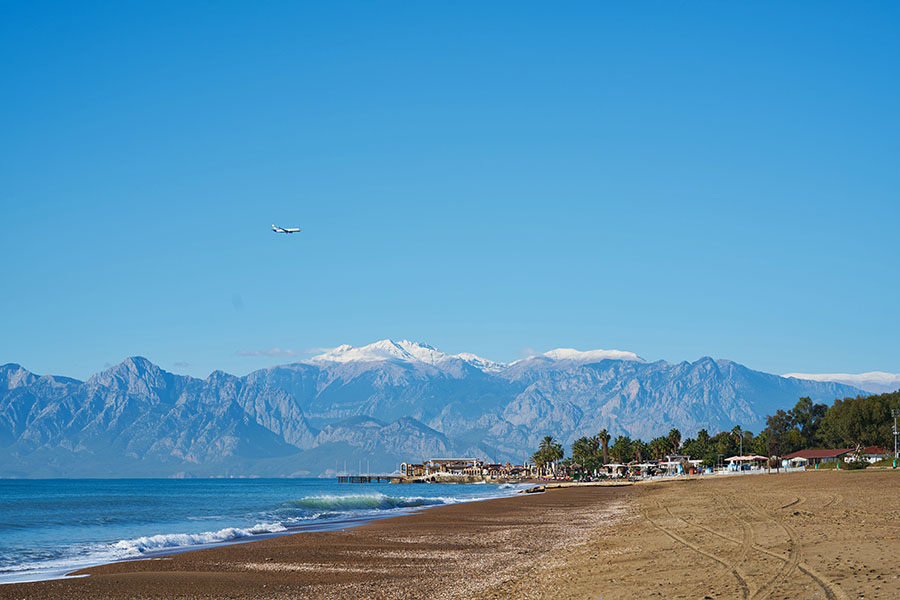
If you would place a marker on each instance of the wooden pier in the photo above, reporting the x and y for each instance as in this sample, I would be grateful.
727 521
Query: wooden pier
365 478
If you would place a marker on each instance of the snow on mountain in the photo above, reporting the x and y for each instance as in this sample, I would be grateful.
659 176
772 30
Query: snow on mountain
404 351
488 366
591 355
418 353
876 382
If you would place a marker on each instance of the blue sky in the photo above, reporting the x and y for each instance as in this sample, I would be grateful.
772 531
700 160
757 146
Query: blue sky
675 179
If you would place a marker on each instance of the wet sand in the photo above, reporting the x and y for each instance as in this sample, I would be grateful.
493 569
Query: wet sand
829 535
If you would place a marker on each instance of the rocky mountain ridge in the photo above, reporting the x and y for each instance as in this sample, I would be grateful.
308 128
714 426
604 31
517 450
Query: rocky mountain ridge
382 403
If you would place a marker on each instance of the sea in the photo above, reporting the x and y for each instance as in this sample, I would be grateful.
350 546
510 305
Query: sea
51 527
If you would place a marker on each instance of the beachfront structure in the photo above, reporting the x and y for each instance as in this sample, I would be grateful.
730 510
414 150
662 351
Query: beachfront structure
507 471
412 469
616 469
743 463
869 454
820 456
453 466
679 463
465 467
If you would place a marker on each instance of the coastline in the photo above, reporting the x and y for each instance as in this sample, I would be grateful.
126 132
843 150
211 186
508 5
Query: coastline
211 514
815 534
446 551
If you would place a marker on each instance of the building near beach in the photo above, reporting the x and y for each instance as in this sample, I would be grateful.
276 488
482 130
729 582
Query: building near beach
745 463
506 471
454 466
869 454
412 469
820 455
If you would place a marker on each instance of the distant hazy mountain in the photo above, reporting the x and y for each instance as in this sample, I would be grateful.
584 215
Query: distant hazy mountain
366 408
876 382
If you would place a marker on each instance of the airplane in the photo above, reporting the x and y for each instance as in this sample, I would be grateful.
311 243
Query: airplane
285 229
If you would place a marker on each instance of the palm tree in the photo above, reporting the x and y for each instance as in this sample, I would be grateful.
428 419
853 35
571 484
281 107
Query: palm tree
659 446
549 452
738 434
584 452
603 436
546 443
623 449
674 440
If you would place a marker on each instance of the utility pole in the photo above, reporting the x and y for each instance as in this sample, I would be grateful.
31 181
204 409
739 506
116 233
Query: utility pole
895 413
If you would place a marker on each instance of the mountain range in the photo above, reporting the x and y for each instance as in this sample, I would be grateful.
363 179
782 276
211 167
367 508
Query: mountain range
367 409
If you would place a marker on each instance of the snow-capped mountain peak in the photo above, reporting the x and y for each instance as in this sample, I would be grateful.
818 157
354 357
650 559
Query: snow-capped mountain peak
419 353
402 350
570 354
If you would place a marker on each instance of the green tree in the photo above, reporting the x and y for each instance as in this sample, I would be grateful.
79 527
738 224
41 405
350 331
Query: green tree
861 421
760 444
807 418
586 452
548 454
703 438
622 449
659 447
674 440
782 435
604 436
640 450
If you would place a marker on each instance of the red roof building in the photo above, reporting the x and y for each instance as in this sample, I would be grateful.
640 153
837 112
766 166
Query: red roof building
872 454
820 455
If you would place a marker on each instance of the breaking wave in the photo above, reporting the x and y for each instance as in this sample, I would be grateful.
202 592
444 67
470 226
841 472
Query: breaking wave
363 502
138 546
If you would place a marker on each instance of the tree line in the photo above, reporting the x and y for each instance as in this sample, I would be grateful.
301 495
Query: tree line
849 423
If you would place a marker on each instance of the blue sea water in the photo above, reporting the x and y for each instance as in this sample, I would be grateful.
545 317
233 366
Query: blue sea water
51 527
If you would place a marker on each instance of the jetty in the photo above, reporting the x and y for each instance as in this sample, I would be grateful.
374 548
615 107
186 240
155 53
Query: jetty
366 478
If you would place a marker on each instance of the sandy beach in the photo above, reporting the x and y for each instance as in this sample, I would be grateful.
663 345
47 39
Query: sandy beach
796 536
832 535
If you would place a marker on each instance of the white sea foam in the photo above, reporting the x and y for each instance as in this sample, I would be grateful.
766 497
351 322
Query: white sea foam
138 546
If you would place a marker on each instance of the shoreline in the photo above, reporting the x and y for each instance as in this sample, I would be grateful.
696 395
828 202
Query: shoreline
813 534
345 522
494 535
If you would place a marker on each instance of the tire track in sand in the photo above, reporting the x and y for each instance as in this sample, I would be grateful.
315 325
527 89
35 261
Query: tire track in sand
835 499
832 592
791 563
738 575
794 503
746 542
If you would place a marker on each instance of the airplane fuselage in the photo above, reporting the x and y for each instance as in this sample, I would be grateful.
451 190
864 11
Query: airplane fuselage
285 229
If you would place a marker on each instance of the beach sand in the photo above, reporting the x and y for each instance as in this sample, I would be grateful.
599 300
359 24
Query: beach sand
819 534
832 535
